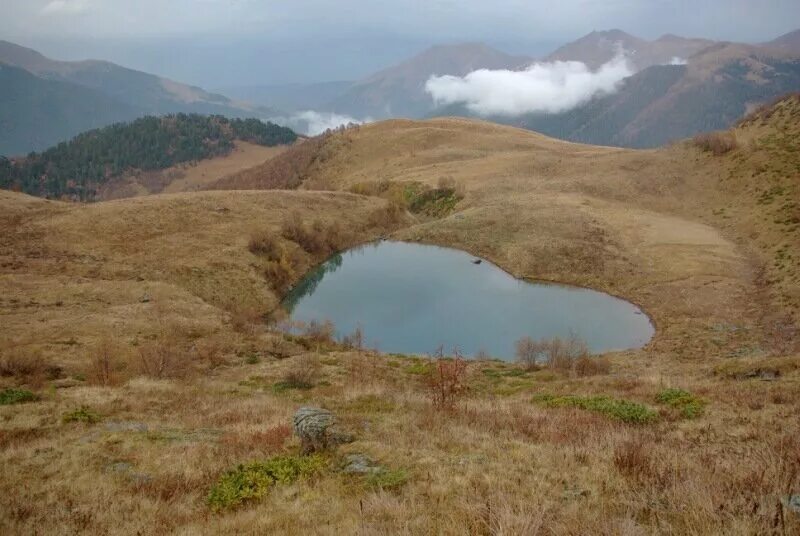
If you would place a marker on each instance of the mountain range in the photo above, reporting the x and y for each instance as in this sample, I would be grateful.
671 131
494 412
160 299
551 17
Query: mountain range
679 86
44 101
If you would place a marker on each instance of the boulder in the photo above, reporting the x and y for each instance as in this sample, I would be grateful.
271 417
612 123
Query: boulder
314 428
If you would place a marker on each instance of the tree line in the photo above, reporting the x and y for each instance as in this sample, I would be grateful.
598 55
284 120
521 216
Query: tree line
75 169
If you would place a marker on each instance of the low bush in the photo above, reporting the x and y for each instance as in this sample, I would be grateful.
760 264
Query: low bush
621 410
16 396
320 239
686 403
388 217
632 459
388 479
253 481
354 340
83 414
266 244
302 375
716 143
570 354
446 380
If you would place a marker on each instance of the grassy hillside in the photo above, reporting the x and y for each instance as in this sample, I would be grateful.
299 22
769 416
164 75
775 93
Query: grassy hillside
36 113
695 433
76 169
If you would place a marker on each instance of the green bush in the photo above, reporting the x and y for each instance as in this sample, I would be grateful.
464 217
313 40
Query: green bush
689 405
388 479
16 396
622 410
253 481
82 414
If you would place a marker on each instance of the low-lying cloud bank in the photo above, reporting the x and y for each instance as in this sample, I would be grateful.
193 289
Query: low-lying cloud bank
543 87
312 123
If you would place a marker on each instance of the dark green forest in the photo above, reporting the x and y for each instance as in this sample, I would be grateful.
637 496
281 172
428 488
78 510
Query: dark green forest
75 169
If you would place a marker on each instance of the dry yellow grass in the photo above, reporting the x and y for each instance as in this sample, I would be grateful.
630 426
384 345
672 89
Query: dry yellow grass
191 177
176 271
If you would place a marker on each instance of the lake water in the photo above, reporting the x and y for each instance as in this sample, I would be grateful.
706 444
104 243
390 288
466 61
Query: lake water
412 298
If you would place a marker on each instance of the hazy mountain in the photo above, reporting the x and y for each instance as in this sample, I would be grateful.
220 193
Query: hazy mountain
291 97
44 101
789 42
598 48
36 113
399 91
662 103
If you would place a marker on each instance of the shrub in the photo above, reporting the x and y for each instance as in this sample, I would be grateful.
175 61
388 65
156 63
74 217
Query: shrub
16 396
83 414
319 332
266 244
253 481
319 240
163 357
301 376
570 354
686 403
26 366
388 479
632 459
717 143
446 380
622 410
388 217
354 340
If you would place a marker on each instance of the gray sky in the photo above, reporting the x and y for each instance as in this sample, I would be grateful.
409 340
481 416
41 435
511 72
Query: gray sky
219 43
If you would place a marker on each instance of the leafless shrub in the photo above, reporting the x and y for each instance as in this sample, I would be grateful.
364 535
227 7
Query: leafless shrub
446 380
387 217
163 357
211 352
632 459
107 363
320 239
26 366
303 373
244 319
717 143
354 340
319 332
264 243
570 354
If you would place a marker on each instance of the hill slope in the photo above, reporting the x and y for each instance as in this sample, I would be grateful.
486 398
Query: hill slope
137 94
36 113
663 103
76 169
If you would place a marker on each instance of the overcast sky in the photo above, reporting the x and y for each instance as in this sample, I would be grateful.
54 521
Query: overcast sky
218 43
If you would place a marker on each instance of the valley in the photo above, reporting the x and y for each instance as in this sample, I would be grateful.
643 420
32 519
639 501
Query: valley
145 328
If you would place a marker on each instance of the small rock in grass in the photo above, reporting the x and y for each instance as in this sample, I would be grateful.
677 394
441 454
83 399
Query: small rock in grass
315 428
360 464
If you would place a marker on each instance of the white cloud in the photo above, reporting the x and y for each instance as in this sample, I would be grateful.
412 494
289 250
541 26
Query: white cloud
318 122
65 6
678 61
543 87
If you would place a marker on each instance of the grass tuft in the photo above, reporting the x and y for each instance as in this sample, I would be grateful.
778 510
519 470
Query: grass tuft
621 410
83 414
253 481
689 405
16 396
388 480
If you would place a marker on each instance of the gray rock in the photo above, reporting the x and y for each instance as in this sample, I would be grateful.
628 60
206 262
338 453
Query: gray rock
360 464
126 426
792 502
315 428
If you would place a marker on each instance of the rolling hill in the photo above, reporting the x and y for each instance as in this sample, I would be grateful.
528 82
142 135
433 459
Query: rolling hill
137 94
78 169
